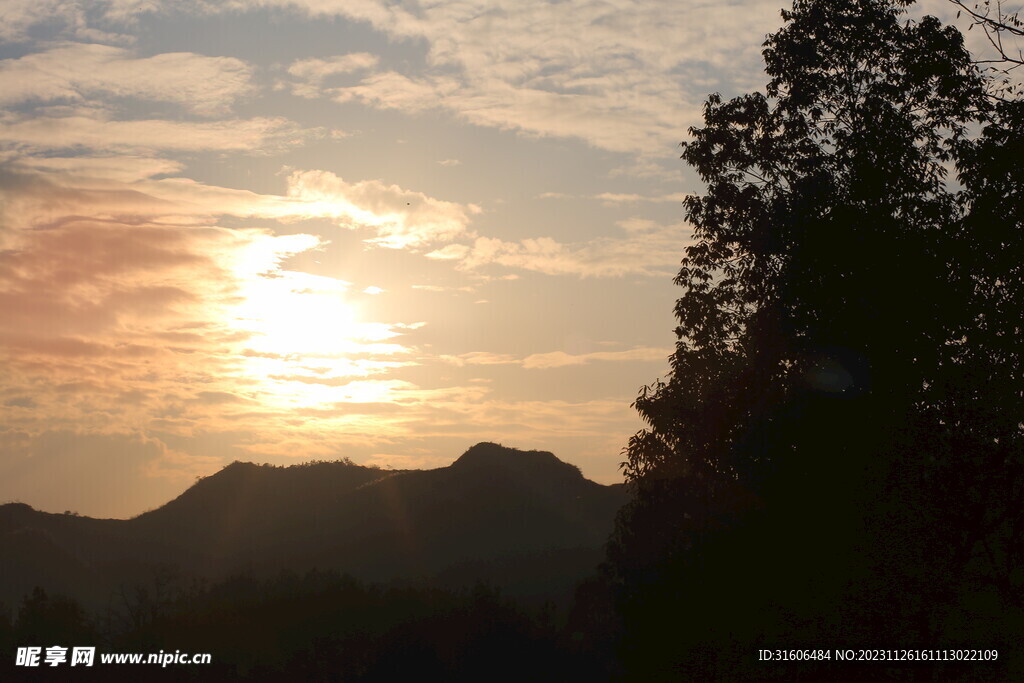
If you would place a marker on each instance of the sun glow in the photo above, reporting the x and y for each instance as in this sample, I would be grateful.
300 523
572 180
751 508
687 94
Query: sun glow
305 340
294 313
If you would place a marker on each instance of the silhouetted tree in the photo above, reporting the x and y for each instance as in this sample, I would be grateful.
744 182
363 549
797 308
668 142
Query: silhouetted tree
43 620
835 455
1000 27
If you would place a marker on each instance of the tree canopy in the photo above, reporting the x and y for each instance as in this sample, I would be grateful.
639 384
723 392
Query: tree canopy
836 450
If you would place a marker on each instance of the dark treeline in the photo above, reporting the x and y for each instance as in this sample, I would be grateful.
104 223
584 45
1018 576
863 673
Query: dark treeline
320 626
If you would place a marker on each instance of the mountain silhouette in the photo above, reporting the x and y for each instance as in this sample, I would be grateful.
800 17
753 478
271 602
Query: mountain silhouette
521 520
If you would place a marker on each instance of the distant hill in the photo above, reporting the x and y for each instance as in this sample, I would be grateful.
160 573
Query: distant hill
522 520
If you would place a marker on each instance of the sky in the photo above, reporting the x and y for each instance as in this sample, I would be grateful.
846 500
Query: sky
277 231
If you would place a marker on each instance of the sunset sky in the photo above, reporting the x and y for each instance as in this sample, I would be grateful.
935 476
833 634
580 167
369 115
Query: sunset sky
282 231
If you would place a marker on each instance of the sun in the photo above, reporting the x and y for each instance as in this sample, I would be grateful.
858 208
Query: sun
298 314
306 345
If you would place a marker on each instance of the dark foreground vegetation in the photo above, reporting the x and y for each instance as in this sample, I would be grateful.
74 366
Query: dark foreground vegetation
836 458
313 627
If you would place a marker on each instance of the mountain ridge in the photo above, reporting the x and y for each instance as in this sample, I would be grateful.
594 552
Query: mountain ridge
493 514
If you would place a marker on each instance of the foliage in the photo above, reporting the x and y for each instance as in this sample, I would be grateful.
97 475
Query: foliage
317 626
999 27
845 366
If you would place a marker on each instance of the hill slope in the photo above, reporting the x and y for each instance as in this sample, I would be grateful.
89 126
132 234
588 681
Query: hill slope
523 520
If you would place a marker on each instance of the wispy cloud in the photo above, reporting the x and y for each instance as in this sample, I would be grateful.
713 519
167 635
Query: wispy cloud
647 248
86 128
40 191
621 77
402 218
77 72
442 288
615 198
481 358
72 19
559 359
632 198
310 75
627 76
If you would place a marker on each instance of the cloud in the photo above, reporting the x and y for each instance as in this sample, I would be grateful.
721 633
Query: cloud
630 198
442 288
558 359
318 69
218 397
18 17
63 286
481 358
125 304
108 324
93 129
310 74
535 111
124 169
40 191
614 198
402 218
78 72
647 249
449 162
392 90
625 77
